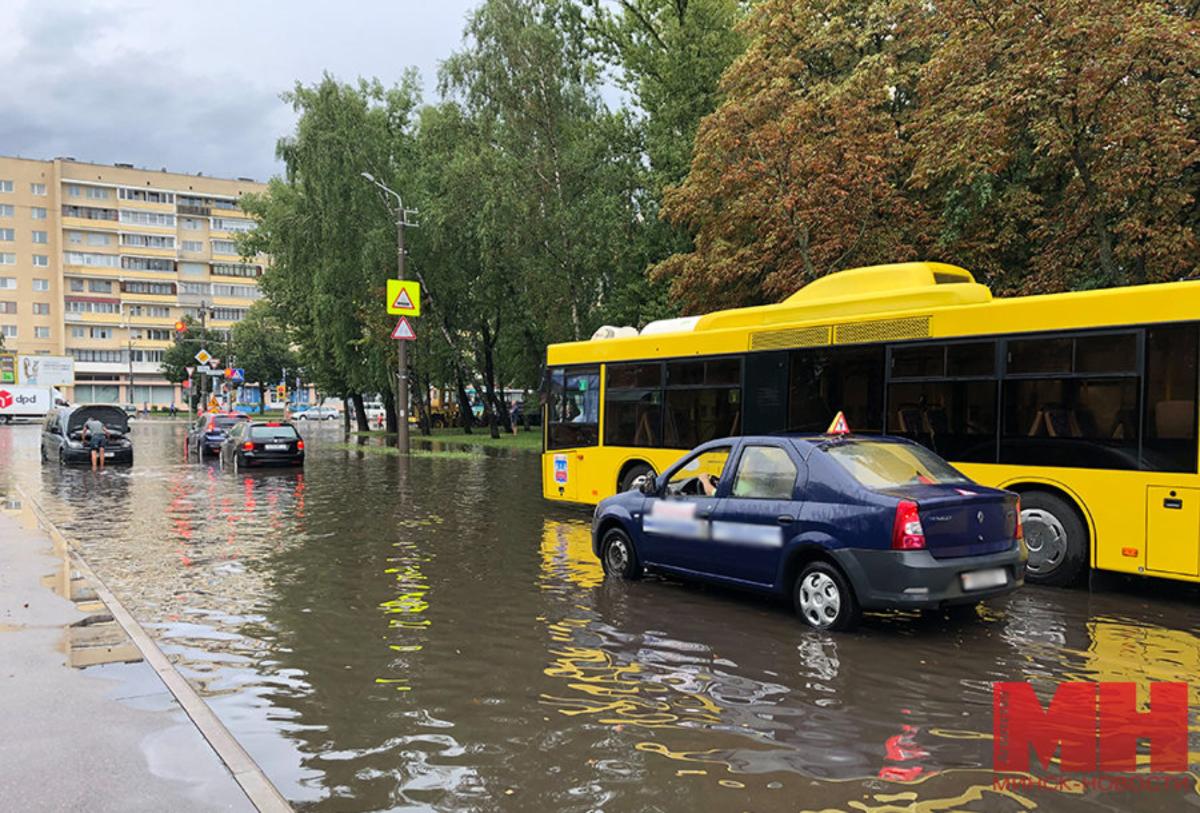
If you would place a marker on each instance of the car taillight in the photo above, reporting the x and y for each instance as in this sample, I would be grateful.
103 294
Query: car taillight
1020 532
247 447
907 533
300 446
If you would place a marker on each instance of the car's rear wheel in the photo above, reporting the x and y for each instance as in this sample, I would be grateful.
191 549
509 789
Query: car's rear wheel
1055 537
618 556
824 599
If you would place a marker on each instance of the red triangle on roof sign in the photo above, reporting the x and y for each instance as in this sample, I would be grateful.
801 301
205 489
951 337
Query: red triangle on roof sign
404 330
839 425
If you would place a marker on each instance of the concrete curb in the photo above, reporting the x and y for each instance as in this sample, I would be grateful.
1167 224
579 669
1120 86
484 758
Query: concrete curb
249 776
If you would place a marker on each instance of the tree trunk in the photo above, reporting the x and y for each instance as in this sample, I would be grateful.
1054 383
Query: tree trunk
360 412
262 398
346 415
389 408
465 416
420 395
497 415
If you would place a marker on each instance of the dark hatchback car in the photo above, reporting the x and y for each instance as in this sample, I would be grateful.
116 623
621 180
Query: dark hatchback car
208 432
837 523
274 443
62 434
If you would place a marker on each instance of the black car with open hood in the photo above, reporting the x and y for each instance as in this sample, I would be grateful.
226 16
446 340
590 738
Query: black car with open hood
62 434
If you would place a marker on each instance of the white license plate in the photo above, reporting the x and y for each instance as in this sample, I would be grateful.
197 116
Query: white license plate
110 454
983 579
276 447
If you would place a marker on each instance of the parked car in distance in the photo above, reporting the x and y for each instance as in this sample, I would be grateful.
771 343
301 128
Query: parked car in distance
317 413
269 443
62 434
838 523
206 435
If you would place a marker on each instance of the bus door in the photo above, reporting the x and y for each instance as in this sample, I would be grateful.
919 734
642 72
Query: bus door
1173 530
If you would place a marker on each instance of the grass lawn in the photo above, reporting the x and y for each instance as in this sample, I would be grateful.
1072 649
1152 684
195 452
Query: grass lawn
530 441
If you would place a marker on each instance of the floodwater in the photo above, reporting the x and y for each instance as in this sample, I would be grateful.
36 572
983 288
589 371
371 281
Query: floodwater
428 634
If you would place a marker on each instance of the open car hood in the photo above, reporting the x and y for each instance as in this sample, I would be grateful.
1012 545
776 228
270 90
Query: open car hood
113 418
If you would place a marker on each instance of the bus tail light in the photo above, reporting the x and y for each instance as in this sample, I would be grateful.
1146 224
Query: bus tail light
907 533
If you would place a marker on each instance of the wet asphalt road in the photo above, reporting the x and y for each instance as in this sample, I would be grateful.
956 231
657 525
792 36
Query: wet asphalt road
383 633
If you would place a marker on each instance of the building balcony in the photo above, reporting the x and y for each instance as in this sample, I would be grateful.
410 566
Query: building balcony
193 211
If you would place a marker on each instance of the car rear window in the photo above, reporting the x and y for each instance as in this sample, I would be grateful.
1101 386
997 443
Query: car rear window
226 421
283 432
888 465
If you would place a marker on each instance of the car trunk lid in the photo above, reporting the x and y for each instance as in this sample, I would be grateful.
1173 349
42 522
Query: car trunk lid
963 520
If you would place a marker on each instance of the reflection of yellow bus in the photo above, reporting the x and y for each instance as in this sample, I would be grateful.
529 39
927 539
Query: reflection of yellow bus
1084 402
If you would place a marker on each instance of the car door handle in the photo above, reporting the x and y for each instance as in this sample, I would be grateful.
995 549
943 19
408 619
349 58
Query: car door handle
702 514
785 519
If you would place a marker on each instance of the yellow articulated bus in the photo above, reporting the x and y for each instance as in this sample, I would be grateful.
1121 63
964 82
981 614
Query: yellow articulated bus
1085 403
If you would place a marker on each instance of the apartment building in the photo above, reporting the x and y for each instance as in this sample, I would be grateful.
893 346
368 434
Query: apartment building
99 262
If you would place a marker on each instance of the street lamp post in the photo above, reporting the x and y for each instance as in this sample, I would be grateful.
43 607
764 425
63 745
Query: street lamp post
402 440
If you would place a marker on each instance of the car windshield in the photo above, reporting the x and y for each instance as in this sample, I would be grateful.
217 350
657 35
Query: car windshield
888 465
269 433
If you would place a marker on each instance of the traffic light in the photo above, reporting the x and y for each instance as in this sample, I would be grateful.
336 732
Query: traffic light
281 391
180 327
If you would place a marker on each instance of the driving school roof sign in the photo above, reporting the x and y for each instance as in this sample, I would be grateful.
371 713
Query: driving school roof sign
404 297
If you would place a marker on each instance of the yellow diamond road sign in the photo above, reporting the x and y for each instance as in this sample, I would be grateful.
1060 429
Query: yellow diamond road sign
203 356
404 297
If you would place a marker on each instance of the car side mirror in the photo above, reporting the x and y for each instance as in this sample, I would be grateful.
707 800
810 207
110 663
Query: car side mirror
646 484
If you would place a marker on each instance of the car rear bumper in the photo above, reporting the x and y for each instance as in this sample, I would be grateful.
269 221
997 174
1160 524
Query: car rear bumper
263 459
915 579
121 456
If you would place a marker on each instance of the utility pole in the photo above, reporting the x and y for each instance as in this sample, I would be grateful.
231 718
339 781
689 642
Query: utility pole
132 397
203 342
402 439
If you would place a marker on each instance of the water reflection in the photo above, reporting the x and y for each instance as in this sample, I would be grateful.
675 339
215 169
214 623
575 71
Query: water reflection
428 634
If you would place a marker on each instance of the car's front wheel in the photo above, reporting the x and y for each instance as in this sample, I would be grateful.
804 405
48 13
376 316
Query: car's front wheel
618 556
824 599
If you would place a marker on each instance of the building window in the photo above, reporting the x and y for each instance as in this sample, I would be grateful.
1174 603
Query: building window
6 186
40 236
9 331
96 193
155 288
72 191
192 224
6 210
194 288
147 264
224 247
100 286
236 270
41 284
101 333
108 356
37 212
193 245
148 240
8 307
241 291
78 332
77 306
41 308
147 195
8 283
8 258
89 213
228 314
98 260
75 284
41 332
99 239
37 188
8 234
158 335
142 218
41 261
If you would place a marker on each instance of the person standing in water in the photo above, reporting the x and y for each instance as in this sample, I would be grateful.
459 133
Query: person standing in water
96 436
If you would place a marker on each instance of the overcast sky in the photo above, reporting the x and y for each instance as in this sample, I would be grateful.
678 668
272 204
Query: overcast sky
194 86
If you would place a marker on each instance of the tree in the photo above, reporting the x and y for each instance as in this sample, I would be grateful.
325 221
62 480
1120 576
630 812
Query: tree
1059 139
260 347
802 169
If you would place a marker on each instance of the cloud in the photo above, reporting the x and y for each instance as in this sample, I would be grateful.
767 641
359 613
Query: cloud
194 87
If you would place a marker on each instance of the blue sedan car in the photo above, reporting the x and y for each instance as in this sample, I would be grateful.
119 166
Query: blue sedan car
839 523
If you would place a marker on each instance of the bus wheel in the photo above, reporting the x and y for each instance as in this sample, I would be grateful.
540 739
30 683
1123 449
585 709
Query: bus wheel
618 556
629 478
1056 538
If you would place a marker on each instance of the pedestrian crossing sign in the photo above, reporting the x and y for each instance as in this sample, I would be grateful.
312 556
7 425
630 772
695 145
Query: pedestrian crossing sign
404 297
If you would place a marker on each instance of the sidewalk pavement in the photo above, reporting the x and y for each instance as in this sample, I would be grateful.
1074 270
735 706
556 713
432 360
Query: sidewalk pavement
110 737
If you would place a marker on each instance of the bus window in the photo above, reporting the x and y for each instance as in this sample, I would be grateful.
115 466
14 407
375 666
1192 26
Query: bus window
827 380
633 404
1169 431
573 414
1078 422
702 401
956 419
